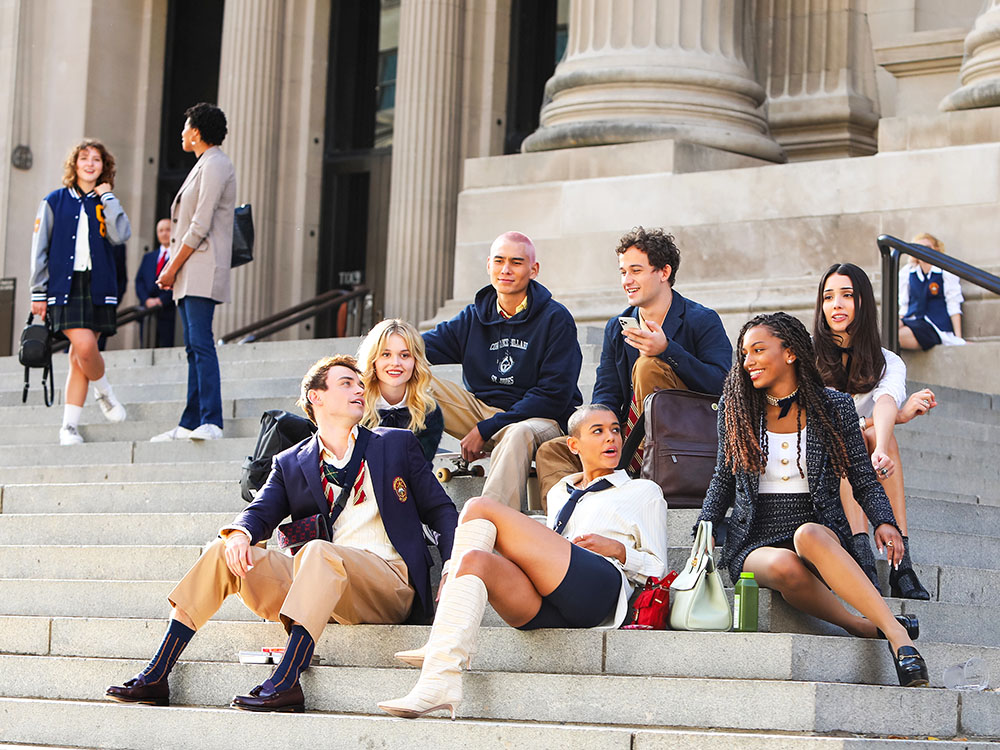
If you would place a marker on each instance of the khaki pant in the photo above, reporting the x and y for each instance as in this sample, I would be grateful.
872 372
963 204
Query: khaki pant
554 459
511 449
323 583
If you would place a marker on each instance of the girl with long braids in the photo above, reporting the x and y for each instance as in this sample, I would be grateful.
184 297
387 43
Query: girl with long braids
850 358
785 441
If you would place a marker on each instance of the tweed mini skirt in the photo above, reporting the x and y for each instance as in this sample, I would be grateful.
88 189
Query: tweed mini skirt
80 310
776 520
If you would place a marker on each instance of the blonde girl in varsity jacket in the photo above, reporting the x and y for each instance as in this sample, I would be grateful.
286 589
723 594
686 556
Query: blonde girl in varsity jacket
73 278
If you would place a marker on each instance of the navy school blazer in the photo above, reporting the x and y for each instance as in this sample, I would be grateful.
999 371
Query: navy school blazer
406 491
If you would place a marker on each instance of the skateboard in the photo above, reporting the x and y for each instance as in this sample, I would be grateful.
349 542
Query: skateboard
462 468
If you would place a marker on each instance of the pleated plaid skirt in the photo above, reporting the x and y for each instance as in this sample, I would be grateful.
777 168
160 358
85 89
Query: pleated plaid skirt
80 310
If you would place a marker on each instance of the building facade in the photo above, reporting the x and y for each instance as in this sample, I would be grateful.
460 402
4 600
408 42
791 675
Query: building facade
381 142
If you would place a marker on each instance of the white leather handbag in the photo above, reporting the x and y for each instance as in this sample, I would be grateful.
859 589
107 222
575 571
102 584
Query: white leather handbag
697 597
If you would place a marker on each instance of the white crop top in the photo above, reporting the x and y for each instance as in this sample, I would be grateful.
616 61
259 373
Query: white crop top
781 475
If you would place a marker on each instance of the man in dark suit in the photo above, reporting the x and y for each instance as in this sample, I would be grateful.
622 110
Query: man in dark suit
661 340
150 295
376 569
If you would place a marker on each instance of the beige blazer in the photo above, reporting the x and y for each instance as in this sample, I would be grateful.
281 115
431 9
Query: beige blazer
201 217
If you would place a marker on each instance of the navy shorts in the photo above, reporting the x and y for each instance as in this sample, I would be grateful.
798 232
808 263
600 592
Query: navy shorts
923 332
585 597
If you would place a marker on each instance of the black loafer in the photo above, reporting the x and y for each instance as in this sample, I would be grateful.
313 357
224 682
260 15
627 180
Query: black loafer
137 690
910 622
911 670
265 698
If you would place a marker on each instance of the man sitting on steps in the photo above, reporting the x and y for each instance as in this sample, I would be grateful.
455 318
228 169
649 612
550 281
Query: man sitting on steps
673 343
520 362
375 569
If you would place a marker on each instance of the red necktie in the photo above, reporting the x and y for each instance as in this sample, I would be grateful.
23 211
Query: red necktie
160 263
635 465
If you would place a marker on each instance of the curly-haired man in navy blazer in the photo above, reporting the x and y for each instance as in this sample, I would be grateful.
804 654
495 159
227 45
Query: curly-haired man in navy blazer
376 569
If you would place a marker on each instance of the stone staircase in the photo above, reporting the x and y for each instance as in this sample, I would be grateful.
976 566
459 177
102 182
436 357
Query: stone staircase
94 536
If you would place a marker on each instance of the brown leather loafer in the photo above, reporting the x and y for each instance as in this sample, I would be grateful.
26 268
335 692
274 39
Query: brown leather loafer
137 690
266 698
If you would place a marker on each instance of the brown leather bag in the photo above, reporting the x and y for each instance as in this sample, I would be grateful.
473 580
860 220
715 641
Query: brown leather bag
682 440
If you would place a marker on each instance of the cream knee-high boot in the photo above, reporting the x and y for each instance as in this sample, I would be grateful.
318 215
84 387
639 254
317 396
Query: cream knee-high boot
452 635
478 533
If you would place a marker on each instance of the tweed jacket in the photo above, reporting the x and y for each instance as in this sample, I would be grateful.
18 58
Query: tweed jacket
739 490
201 217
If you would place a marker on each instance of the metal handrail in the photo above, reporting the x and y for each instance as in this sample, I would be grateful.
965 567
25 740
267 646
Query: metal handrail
891 248
359 295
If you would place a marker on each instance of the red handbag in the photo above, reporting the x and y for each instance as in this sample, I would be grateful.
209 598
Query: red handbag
650 607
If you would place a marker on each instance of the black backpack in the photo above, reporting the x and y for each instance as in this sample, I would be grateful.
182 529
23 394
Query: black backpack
279 430
36 351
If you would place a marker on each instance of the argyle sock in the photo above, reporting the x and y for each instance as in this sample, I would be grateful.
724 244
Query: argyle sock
178 636
298 654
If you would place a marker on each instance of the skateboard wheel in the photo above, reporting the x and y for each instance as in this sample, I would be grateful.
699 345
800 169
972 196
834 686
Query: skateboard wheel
443 474
478 471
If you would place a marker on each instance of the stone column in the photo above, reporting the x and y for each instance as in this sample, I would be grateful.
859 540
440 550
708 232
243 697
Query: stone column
646 69
250 95
815 58
425 158
980 73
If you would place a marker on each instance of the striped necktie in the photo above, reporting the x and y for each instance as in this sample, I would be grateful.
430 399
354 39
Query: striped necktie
635 463
574 497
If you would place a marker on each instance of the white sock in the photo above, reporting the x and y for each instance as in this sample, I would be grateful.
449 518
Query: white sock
71 415
102 385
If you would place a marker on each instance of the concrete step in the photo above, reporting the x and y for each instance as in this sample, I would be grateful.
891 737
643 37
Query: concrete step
750 656
113 726
106 432
131 497
121 473
593 699
98 562
111 528
138 452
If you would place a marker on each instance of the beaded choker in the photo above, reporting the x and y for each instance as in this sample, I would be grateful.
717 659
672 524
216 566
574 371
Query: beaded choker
784 403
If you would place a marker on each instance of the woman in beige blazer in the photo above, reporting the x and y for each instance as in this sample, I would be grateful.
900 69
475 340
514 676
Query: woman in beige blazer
201 247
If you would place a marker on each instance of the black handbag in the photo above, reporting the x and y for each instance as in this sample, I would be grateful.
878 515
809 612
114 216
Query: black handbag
35 350
242 235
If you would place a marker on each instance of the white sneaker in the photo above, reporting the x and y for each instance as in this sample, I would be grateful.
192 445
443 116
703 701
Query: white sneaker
68 435
177 433
206 431
111 406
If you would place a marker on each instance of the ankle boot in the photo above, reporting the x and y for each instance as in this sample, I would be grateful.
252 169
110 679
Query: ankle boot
454 630
861 550
903 583
478 533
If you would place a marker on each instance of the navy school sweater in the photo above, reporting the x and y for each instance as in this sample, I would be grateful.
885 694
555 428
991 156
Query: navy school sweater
527 365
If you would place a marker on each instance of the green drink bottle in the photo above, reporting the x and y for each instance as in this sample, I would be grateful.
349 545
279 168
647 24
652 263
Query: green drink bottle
745 604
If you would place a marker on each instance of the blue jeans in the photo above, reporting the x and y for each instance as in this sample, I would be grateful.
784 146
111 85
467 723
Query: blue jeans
204 396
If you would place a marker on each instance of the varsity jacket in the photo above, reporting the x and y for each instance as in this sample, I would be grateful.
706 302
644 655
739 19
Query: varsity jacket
53 245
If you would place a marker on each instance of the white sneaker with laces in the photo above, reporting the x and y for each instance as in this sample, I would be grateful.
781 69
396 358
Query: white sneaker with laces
177 433
111 406
68 435
206 431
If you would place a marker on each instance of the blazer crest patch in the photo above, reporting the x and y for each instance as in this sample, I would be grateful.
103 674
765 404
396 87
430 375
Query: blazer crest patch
399 486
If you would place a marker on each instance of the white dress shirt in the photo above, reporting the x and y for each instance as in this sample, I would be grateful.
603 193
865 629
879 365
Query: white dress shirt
81 254
893 382
632 512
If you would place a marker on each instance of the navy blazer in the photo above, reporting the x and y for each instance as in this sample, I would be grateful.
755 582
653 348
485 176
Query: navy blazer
145 281
406 491
698 350
739 490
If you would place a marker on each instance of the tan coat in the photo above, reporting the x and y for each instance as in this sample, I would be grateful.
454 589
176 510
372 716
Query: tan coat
201 217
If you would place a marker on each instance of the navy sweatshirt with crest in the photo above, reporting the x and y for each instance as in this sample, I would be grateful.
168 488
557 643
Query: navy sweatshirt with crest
527 365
